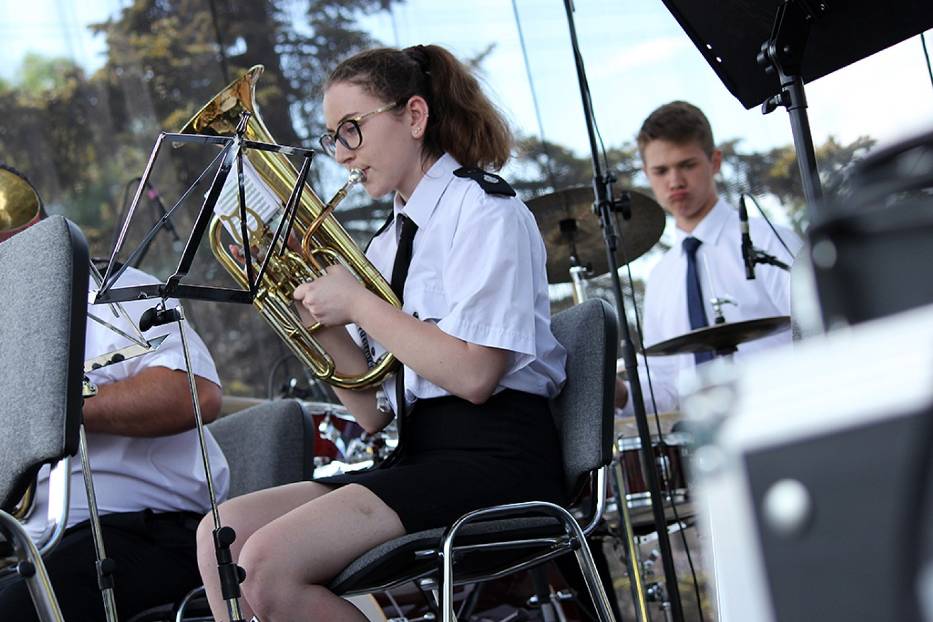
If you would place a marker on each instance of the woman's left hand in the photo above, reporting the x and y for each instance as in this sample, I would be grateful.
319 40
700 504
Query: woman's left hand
333 297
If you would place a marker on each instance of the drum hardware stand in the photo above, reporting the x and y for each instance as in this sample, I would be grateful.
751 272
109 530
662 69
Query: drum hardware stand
578 276
630 546
602 187
718 302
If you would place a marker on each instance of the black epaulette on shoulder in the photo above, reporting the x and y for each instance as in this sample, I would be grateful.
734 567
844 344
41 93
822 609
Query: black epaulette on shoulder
490 182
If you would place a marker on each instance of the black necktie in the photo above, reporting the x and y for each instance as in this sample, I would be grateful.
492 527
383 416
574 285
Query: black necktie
399 274
695 309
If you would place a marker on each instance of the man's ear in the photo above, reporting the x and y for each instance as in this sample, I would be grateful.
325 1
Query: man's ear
715 159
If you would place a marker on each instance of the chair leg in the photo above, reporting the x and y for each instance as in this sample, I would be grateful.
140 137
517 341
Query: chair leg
32 569
593 583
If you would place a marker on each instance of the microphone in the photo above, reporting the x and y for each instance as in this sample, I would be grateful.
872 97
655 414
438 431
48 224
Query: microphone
748 251
153 195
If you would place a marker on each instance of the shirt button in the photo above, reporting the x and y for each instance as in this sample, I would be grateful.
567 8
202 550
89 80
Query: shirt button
372 351
415 314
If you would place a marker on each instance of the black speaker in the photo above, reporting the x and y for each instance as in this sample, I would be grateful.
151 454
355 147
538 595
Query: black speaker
814 476
872 252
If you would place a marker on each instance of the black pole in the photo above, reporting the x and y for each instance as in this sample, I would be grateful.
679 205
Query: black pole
782 53
602 187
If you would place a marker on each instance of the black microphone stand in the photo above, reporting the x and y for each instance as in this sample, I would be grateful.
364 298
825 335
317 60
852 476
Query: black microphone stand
602 187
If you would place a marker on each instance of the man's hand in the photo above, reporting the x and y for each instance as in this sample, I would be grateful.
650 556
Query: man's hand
621 398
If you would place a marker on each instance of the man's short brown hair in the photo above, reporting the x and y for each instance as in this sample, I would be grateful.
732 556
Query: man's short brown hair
677 122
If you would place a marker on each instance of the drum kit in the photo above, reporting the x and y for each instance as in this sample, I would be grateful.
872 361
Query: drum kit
575 249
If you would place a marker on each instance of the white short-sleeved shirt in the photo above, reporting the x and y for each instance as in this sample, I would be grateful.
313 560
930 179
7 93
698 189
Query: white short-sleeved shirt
722 274
478 272
163 474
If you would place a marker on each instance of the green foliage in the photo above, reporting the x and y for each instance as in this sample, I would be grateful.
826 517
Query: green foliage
775 172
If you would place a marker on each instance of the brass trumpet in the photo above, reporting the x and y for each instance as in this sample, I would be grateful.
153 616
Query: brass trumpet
324 240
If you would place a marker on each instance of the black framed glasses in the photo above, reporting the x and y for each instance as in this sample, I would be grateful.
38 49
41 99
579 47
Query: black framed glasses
348 131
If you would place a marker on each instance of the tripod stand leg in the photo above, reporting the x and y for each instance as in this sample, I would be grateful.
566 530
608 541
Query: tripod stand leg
231 575
105 566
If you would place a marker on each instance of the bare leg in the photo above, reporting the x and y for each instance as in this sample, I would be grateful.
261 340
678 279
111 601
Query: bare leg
292 540
246 514
294 557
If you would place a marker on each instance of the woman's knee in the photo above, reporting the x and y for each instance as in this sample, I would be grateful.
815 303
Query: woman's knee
266 583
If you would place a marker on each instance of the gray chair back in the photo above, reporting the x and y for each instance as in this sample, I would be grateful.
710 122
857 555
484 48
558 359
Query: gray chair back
583 411
266 445
43 314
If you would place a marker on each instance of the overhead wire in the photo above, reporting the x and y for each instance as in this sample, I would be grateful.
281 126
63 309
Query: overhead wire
548 167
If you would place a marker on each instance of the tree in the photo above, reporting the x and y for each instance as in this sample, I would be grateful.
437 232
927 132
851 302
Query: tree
775 172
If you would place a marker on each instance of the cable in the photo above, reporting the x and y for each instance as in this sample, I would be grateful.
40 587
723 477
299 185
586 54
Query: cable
767 220
534 98
926 54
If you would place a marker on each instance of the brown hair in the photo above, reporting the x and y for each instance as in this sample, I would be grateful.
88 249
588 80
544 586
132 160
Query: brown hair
677 122
462 120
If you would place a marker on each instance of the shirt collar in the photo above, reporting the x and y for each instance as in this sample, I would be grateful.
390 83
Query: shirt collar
427 194
708 229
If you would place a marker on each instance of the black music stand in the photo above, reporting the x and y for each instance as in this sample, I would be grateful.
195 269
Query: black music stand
230 156
765 50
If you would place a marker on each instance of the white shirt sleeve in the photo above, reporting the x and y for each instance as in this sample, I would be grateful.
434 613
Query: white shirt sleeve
488 277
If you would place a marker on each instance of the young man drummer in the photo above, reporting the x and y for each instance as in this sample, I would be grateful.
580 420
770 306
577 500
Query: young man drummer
705 261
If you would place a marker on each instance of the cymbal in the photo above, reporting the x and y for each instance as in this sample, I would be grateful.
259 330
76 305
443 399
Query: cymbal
559 210
720 337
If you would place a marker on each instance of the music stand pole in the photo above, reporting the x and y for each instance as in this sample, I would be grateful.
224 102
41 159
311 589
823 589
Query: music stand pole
602 187
783 53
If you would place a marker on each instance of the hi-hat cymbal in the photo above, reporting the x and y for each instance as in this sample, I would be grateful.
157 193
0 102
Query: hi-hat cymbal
571 229
721 338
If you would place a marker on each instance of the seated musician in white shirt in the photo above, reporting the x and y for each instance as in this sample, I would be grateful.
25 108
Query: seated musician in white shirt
148 474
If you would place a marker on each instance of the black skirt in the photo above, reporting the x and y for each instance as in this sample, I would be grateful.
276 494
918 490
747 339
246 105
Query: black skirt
457 457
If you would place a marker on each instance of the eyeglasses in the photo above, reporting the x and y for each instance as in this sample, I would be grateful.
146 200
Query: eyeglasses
349 133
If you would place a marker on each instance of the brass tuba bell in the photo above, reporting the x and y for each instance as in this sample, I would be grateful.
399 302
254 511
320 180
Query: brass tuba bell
20 205
324 240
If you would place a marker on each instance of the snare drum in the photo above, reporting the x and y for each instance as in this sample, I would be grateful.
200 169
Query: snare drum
671 458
